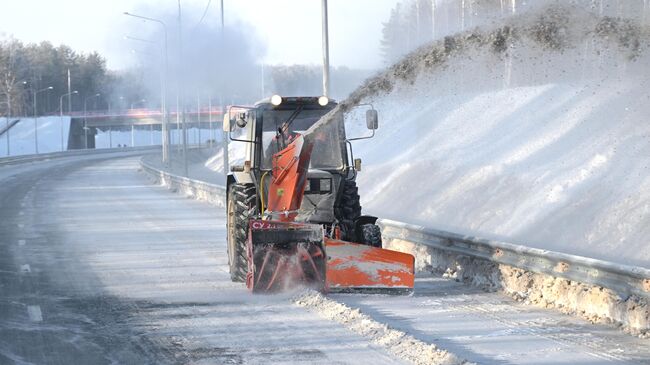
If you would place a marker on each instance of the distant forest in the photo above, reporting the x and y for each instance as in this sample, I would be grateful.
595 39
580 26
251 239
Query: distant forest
413 23
29 68
26 68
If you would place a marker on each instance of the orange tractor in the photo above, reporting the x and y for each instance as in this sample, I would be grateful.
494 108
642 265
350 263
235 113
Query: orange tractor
294 216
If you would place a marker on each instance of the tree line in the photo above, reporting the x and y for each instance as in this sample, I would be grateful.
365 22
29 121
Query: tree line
415 22
307 80
35 67
29 68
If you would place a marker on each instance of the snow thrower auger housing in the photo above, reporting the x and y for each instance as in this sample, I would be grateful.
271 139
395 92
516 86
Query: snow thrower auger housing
294 216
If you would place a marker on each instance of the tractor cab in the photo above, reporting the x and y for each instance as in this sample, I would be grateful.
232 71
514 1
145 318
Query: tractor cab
270 126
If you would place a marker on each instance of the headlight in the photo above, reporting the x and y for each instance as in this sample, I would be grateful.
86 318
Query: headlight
323 100
276 100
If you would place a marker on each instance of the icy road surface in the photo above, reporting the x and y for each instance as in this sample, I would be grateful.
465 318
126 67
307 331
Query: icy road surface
98 266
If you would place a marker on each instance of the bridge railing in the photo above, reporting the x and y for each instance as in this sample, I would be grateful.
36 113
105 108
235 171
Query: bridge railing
139 113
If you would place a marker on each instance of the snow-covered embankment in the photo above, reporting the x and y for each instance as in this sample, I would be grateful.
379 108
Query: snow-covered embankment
535 132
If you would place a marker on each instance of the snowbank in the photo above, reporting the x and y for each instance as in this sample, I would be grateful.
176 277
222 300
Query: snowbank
144 136
535 132
22 140
400 344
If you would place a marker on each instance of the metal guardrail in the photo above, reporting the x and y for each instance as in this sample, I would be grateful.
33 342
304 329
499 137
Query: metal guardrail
623 279
204 190
12 160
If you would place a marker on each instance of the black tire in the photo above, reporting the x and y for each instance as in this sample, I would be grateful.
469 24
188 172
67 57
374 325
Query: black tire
242 199
348 210
371 234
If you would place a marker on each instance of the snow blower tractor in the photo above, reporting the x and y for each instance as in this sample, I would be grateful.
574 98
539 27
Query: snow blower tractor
294 217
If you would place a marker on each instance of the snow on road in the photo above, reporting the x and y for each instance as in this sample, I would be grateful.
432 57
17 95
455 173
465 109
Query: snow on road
490 328
124 271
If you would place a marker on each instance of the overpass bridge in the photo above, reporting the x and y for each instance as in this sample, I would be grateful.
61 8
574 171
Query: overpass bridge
84 126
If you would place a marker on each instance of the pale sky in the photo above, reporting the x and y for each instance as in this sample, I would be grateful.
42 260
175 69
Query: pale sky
291 29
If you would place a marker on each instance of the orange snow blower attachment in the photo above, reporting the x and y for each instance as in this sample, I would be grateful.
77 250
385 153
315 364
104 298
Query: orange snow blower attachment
283 253
352 266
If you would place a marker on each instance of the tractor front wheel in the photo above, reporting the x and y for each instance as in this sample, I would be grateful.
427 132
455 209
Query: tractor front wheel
241 206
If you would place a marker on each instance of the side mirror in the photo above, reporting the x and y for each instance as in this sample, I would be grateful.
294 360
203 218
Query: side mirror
372 119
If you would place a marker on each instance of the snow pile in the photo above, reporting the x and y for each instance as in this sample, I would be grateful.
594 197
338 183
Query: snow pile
397 342
53 133
593 303
236 155
534 132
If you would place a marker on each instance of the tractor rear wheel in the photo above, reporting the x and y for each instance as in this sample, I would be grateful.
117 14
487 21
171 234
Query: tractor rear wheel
371 234
241 202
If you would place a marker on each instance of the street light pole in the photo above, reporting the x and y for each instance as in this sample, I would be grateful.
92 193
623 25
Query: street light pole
326 52
162 88
142 101
165 129
224 136
181 87
198 115
8 102
211 143
61 113
85 116
8 130
9 116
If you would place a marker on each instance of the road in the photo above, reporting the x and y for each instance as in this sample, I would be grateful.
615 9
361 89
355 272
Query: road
99 266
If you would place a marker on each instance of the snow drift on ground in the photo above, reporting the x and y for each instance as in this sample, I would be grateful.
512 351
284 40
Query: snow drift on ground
401 344
21 136
536 132
144 136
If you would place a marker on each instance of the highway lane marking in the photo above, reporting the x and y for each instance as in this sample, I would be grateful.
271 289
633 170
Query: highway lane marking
21 242
25 268
34 313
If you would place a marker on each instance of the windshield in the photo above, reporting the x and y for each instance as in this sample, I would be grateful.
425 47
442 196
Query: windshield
327 146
